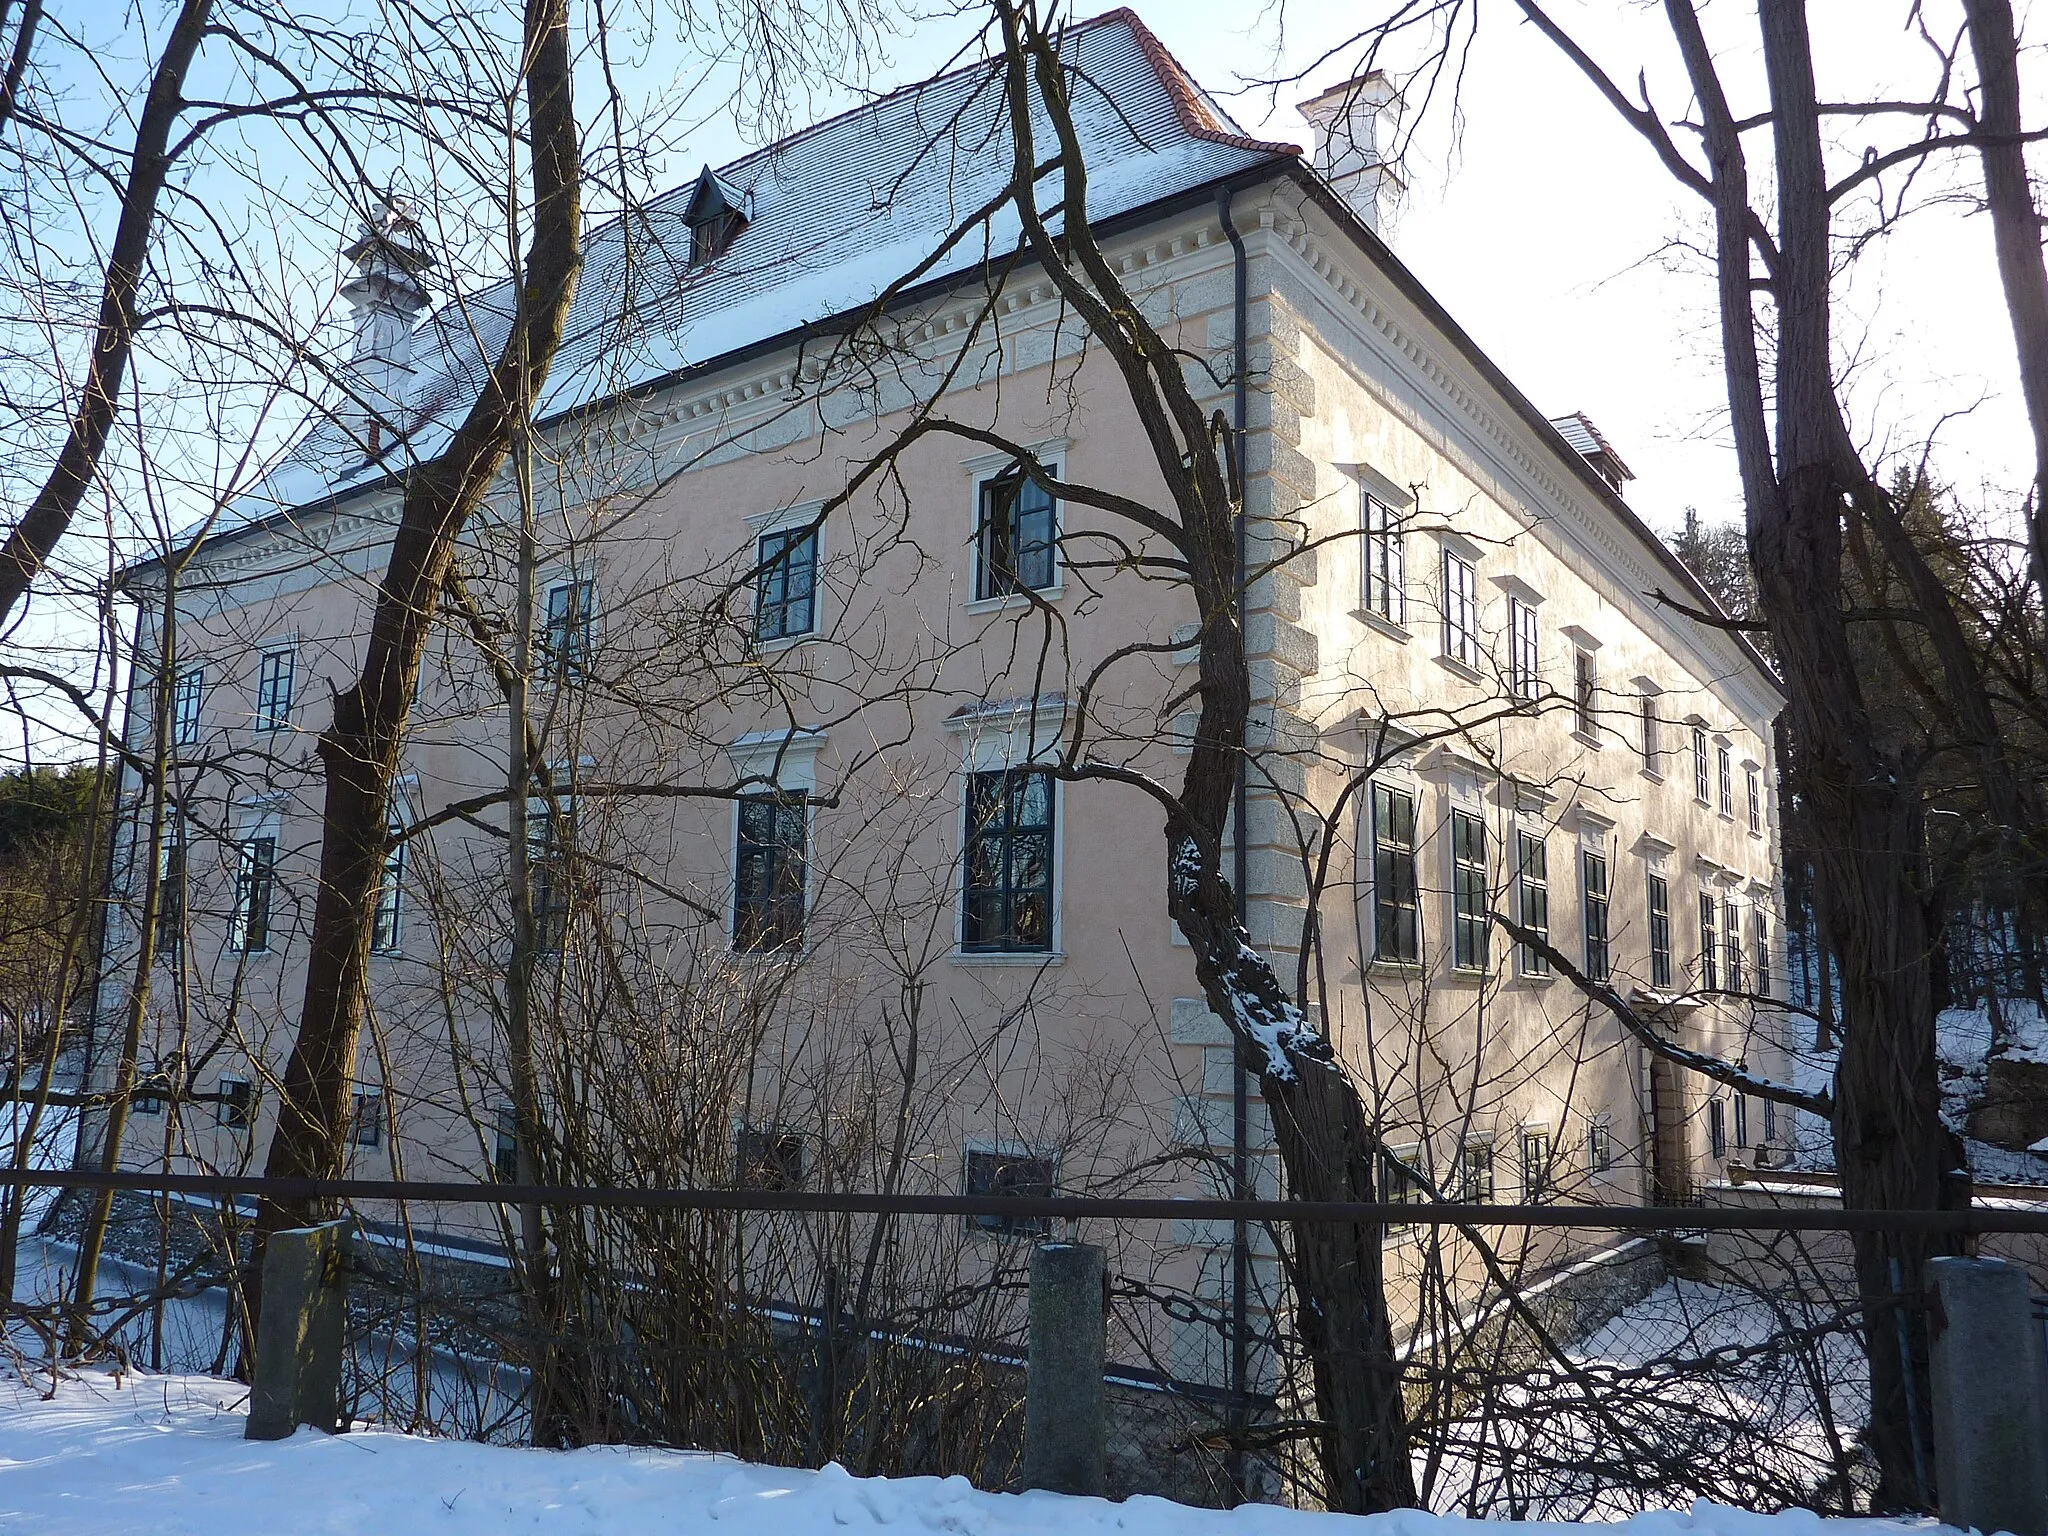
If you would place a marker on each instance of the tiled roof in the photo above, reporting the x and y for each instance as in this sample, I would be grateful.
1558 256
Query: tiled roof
837 212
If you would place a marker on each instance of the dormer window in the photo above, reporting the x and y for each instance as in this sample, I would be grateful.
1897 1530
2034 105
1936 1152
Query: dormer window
716 214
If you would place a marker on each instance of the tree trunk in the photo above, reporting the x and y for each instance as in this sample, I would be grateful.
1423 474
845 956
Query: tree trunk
359 750
2016 235
1890 1146
28 547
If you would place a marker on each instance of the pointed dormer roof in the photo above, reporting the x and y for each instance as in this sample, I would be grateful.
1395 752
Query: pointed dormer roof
712 196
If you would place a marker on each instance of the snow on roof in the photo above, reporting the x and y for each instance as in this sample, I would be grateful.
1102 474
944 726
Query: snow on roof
835 214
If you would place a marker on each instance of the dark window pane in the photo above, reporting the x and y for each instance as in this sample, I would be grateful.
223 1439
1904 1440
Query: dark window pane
1006 1174
788 563
768 907
1018 532
1008 861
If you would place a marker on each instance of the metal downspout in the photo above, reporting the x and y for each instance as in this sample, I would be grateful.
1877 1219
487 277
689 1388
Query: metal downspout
1240 1094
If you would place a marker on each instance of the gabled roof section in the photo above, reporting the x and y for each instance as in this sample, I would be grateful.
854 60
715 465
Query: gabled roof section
836 213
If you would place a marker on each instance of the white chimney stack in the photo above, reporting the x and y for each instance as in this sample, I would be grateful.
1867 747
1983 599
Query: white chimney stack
387 292
1356 126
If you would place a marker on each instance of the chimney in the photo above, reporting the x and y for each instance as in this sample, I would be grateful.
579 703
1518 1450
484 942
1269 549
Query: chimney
1356 125
387 292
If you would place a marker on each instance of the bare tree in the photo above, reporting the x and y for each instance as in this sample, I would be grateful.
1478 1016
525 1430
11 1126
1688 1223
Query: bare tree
359 751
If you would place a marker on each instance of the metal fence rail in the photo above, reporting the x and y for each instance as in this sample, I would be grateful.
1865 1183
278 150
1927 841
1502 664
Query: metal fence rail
2003 1217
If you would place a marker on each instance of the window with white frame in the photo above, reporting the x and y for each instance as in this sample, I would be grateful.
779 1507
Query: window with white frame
1007 870
1017 538
1741 1119
1756 800
1652 742
1660 931
1396 920
387 920
274 690
1585 687
188 695
170 890
1724 776
1760 940
1717 1126
1011 1175
1600 1144
550 854
1402 1181
366 1118
1731 944
1535 1147
1525 650
1475 1172
1701 785
255 891
771 864
505 1145
1461 609
1593 903
1470 922
1710 965
569 629
1532 891
234 1103
1386 562
785 594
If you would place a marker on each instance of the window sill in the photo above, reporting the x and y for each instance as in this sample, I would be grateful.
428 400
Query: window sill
783 643
1012 600
1407 970
1588 740
782 953
1533 979
1458 668
1652 775
1008 957
1386 626
1464 976
1727 816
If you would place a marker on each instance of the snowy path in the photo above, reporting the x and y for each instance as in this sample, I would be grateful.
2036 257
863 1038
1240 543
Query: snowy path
165 1455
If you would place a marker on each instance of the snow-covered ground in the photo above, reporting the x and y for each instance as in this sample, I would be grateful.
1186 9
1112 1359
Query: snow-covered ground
1962 1045
165 1455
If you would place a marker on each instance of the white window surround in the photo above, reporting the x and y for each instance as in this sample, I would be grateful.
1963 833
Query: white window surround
1460 644
779 759
1415 782
995 735
1399 503
1377 485
795 515
982 468
1649 698
260 816
781 519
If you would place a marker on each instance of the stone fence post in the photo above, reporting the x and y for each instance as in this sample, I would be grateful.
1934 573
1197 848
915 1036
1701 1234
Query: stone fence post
1063 1404
300 1334
1989 1379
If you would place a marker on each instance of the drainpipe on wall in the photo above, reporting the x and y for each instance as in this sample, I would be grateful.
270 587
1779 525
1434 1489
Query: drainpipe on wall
1240 1089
